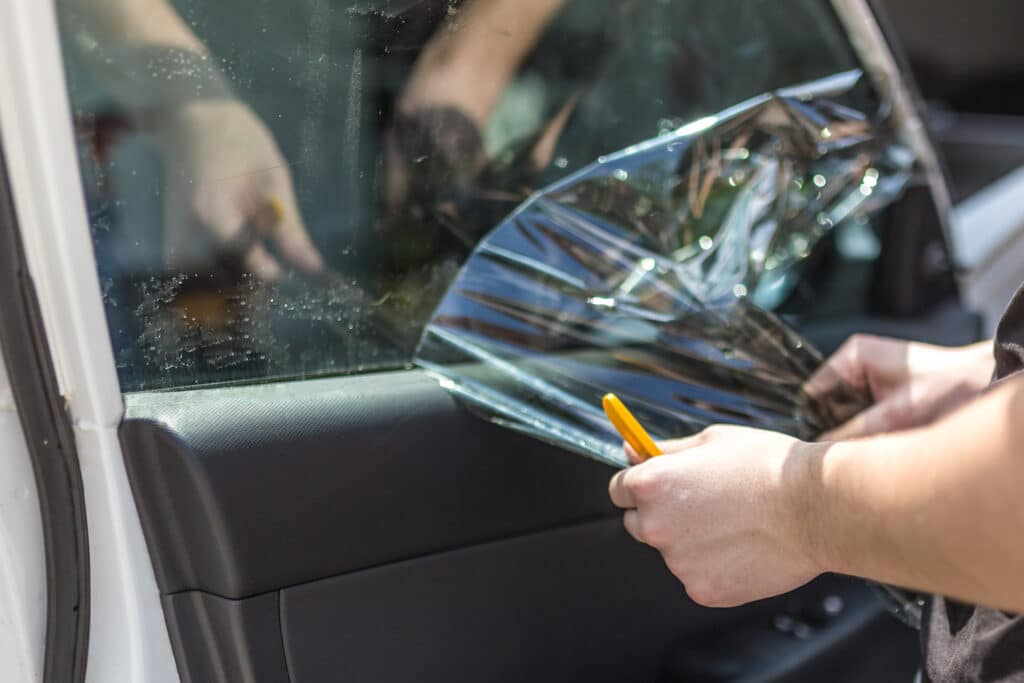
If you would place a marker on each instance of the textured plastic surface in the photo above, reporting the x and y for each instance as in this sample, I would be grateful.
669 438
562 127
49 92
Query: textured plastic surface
651 273
583 603
535 607
227 641
565 605
248 489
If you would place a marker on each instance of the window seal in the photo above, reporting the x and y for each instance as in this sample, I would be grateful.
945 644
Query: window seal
47 426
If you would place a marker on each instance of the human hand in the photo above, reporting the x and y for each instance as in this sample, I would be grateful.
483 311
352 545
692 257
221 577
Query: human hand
911 384
223 169
728 512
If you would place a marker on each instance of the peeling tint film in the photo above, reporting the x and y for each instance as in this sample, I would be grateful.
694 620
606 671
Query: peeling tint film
650 275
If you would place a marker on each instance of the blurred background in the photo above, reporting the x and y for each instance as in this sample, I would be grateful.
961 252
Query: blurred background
968 61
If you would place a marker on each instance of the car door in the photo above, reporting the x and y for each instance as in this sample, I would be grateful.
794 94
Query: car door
288 499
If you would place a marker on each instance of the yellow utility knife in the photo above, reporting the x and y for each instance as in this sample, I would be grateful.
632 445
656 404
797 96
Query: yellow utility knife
627 425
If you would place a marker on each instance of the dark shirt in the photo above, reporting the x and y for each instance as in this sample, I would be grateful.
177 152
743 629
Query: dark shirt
963 642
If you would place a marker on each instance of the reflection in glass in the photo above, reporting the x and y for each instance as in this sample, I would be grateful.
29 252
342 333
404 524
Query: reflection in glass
287 188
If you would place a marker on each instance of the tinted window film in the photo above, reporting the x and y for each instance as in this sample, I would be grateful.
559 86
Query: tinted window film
287 189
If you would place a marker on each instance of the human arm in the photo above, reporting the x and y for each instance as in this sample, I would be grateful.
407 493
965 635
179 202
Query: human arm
474 55
937 509
222 166
154 22
741 514
438 158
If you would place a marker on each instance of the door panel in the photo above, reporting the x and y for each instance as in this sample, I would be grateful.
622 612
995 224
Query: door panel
372 529
578 603
216 639
249 489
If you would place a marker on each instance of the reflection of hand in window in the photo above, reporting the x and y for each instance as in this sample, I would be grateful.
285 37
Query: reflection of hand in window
222 169
436 150
222 166
471 59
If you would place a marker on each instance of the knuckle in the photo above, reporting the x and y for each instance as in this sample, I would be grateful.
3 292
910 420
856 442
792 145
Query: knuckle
643 484
723 431
856 340
613 487
678 568
639 532
714 431
652 530
898 412
630 527
703 592
862 341
859 346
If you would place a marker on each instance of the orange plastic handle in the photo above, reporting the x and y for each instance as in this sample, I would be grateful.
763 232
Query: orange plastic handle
627 425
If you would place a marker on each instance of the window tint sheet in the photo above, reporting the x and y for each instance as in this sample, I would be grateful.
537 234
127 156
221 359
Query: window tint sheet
652 274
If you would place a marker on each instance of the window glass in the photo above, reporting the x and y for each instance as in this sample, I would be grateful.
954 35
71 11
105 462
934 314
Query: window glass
286 189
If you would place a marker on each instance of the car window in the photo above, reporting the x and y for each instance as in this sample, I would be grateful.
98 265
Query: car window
287 189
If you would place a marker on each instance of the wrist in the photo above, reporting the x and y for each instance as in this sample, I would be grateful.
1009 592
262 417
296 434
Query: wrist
809 502
179 128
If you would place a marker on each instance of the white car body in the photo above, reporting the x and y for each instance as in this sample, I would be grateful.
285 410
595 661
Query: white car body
128 637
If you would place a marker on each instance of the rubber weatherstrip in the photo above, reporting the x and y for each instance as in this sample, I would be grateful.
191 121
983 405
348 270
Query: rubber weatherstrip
51 445
902 59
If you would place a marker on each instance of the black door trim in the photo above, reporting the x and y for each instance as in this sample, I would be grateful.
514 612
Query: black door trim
51 446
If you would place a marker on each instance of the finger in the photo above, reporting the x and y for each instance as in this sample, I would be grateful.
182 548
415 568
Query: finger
262 264
544 149
844 369
293 240
847 365
878 419
631 454
188 242
631 521
620 494
825 381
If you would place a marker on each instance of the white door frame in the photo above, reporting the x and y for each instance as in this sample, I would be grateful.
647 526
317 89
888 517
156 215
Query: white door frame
128 639
22 562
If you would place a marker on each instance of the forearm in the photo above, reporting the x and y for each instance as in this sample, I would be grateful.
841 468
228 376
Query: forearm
144 22
938 509
476 53
147 57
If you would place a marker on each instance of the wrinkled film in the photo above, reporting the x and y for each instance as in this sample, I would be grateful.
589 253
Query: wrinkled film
653 273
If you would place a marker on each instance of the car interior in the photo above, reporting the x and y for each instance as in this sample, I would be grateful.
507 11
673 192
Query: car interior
318 509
